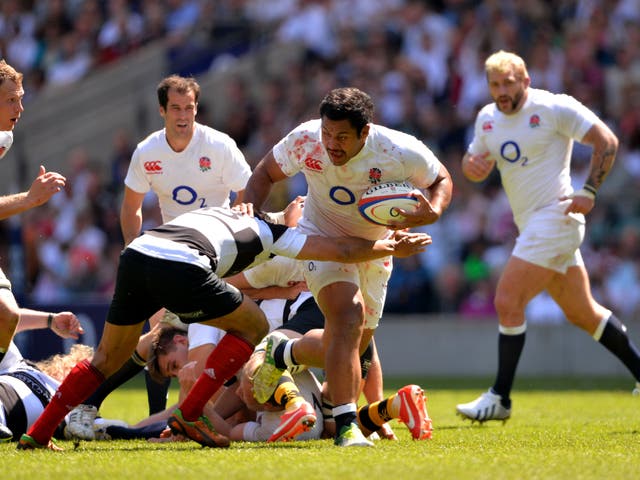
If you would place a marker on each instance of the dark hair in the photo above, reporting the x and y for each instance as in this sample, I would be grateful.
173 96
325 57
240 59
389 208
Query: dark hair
348 104
182 86
161 344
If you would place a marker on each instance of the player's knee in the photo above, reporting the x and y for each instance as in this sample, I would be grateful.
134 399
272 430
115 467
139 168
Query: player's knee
506 305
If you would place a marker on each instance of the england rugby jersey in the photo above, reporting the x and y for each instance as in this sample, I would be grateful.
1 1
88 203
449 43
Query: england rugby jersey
331 206
202 175
220 239
6 140
532 148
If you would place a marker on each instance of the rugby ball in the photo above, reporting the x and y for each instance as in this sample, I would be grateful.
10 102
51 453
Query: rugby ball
378 204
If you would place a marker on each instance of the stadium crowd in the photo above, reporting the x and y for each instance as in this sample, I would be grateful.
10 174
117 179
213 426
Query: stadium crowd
421 61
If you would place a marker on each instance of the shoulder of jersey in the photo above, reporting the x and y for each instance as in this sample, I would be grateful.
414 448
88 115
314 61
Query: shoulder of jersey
152 138
212 133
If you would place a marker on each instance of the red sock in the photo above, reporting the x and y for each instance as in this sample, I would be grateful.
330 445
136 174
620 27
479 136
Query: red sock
76 387
223 362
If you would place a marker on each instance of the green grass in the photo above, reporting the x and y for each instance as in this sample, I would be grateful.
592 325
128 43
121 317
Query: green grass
561 429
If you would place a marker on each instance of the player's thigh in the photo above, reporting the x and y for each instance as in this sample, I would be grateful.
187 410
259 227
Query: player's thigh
519 283
117 344
336 288
357 290
246 321
572 293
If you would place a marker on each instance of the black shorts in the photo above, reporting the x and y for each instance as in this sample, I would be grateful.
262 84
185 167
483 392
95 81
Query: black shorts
146 284
307 317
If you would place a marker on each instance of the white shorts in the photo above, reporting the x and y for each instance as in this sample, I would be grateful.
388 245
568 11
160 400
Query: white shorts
371 277
551 239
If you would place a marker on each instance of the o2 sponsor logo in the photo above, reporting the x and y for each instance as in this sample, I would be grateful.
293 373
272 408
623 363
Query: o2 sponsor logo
510 152
185 195
342 195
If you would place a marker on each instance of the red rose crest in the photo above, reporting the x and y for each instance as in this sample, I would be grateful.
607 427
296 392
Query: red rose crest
375 175
205 164
534 121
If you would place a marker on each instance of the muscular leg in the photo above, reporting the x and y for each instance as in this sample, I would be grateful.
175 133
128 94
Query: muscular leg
116 346
572 293
519 283
343 309
245 327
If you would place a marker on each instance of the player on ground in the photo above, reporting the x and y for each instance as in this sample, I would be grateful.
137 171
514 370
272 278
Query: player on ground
341 155
528 134
179 265
24 389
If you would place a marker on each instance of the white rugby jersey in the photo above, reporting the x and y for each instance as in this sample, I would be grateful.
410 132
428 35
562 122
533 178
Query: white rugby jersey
12 357
220 239
532 148
202 175
279 271
331 206
6 140
25 391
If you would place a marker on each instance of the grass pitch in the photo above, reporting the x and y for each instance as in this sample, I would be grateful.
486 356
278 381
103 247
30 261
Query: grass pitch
560 429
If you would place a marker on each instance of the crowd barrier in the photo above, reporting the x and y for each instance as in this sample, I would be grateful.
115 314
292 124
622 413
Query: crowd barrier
415 345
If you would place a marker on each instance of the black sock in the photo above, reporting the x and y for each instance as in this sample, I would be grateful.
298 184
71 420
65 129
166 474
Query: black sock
157 393
365 360
278 356
615 339
345 419
130 369
509 350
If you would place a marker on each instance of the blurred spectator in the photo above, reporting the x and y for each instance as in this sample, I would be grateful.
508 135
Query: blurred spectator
122 31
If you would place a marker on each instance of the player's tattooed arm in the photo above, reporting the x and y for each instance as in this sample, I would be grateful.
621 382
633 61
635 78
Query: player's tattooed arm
605 146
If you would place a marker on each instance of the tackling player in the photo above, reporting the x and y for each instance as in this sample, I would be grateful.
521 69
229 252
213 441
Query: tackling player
188 166
180 265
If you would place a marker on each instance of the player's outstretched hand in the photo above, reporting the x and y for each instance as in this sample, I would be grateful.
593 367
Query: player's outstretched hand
244 209
45 186
409 243
66 325
293 212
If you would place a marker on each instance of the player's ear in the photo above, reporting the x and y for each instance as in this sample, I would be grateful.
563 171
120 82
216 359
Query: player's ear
365 132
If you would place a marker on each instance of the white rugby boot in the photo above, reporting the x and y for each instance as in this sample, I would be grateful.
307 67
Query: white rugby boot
80 423
486 407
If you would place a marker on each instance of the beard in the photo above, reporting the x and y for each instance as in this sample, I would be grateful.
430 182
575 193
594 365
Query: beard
513 102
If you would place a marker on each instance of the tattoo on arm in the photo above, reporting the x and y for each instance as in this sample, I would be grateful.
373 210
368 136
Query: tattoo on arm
601 163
